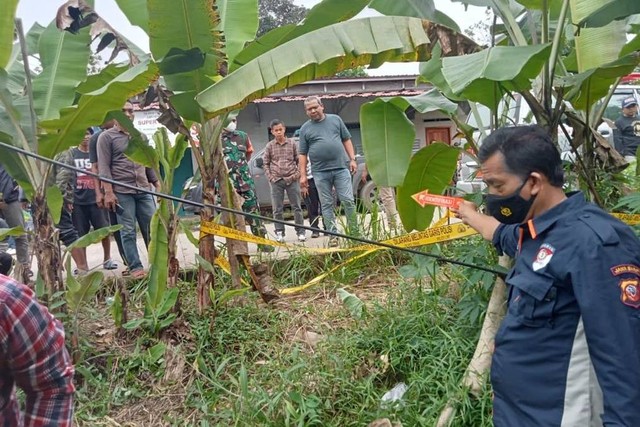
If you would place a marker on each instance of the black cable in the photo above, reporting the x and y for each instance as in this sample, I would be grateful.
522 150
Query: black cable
251 215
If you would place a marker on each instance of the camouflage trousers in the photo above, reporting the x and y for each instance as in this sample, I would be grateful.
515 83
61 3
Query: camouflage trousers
249 205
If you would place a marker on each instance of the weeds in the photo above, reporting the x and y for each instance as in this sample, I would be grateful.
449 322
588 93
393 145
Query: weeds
255 365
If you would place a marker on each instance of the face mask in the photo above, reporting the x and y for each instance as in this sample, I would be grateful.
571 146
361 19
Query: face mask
231 127
511 209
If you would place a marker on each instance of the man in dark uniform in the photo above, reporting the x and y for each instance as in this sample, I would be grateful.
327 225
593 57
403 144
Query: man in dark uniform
626 134
568 350
237 150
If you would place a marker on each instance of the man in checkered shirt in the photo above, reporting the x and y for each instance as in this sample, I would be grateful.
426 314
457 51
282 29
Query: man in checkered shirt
33 357
281 167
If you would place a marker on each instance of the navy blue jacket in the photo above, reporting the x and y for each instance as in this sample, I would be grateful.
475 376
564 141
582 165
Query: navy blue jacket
8 187
568 350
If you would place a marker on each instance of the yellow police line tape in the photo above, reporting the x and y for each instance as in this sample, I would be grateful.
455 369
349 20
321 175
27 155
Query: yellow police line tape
439 232
629 219
223 263
429 236
436 234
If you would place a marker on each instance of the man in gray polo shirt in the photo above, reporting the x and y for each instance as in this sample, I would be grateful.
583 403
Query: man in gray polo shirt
113 164
326 141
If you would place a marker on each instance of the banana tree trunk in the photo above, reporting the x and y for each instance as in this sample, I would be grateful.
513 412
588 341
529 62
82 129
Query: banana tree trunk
476 372
172 249
206 245
47 247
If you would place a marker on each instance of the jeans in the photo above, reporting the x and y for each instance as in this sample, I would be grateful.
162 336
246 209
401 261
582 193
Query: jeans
135 206
278 189
340 179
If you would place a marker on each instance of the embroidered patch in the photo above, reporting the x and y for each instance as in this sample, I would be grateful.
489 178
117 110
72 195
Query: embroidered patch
544 255
630 292
629 286
625 268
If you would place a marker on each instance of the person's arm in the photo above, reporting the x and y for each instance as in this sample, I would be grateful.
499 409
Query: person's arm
97 185
484 224
266 161
303 150
348 147
365 173
296 162
617 137
152 177
104 165
65 178
249 148
302 166
36 356
606 281
93 158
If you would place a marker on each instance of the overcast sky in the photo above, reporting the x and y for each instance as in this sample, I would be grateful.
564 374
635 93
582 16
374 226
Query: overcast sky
43 11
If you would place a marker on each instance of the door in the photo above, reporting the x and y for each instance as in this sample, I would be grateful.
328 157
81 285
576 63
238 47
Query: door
439 134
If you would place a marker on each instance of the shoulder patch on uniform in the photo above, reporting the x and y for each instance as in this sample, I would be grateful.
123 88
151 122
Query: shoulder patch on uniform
629 284
602 227
544 255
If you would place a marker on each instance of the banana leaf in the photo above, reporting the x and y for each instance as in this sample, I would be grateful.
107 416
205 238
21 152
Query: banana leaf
584 89
136 12
7 16
325 13
319 53
16 130
612 11
92 108
387 140
484 76
596 46
388 136
423 9
431 168
239 24
186 26
64 59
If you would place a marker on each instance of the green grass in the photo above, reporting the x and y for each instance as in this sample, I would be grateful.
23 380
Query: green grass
246 368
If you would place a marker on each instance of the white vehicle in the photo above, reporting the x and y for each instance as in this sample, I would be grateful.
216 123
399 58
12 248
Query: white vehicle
519 113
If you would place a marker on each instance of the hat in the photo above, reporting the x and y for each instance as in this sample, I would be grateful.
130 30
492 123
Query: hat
629 101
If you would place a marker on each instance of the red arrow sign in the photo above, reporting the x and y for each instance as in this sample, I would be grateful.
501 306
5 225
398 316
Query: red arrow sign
424 198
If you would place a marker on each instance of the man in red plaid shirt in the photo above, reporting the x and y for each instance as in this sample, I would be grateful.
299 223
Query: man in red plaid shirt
33 357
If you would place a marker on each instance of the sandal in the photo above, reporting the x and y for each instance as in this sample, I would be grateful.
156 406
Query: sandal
126 272
138 274
109 264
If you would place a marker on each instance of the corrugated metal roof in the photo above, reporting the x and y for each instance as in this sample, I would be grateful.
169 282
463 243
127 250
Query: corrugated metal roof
340 95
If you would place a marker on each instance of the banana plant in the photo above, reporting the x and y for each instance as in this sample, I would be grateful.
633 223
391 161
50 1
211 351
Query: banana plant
162 299
48 111
196 46
569 73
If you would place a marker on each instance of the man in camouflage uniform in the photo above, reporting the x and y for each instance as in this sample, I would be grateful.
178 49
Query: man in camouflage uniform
237 150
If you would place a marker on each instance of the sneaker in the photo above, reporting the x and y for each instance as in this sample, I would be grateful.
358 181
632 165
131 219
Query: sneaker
302 237
279 236
333 242
315 234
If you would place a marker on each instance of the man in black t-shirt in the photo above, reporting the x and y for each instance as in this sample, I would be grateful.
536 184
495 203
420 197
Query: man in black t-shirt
86 212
